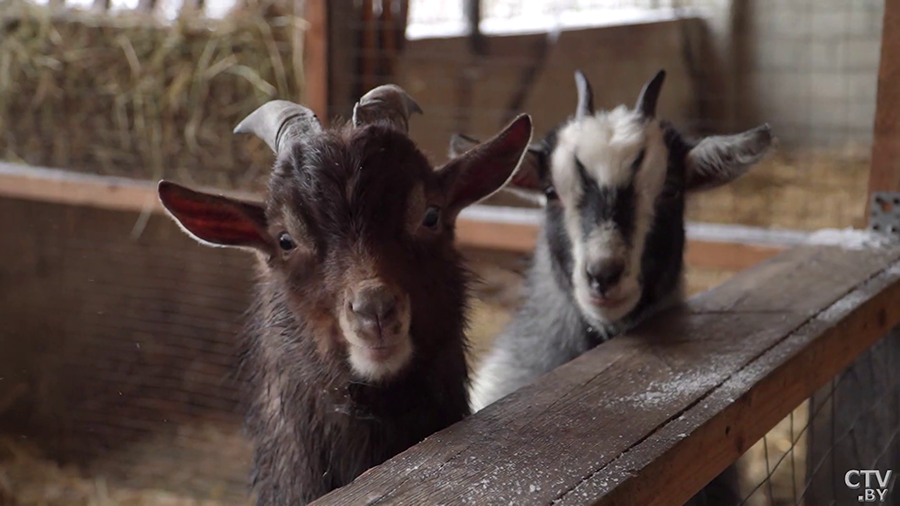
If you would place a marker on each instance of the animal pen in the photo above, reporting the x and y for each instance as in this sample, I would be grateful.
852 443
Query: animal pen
117 348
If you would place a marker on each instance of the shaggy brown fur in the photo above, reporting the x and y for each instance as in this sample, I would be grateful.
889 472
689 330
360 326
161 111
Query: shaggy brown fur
352 199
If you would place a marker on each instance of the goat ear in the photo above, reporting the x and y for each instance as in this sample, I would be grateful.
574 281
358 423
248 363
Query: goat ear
460 144
529 176
215 220
646 102
486 167
585 95
721 159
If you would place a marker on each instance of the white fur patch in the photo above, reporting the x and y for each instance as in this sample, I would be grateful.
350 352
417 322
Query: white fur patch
372 364
607 145
380 369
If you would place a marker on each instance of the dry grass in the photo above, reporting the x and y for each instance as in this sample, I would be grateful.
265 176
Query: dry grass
775 455
29 479
801 189
124 95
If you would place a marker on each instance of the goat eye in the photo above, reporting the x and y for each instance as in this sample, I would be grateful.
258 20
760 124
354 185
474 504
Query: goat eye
432 215
550 193
285 242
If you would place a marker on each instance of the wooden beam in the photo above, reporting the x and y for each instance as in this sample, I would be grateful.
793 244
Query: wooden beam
885 172
516 230
650 417
104 192
343 57
315 59
727 256
369 48
722 247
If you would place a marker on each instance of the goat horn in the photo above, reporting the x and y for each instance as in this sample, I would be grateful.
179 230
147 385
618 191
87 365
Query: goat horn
585 96
277 121
646 102
388 103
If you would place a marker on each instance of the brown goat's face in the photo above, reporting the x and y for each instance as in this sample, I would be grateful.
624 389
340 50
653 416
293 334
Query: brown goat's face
357 232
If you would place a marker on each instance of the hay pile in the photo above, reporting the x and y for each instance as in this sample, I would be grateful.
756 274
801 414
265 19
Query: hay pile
28 479
125 95
801 189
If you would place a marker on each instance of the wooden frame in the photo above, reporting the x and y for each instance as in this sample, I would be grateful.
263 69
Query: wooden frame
711 246
315 58
885 172
652 416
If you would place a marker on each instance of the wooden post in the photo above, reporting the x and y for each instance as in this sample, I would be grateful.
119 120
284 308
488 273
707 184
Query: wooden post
885 172
343 57
315 59
469 75
473 19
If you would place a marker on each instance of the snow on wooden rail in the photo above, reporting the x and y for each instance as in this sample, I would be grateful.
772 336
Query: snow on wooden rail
726 247
650 417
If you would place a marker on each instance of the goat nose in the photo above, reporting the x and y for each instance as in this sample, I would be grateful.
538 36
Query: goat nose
604 275
375 305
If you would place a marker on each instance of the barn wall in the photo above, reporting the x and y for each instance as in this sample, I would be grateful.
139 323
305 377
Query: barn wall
618 61
807 67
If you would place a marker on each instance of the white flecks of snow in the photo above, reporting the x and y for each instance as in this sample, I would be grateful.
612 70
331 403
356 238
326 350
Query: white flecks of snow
840 308
850 238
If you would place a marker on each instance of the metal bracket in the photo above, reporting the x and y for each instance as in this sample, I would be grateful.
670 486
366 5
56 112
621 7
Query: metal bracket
884 213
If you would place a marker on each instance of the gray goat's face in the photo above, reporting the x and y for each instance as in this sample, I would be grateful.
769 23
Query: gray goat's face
614 181
608 172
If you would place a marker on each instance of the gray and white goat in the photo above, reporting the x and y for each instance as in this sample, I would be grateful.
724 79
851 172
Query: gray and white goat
610 252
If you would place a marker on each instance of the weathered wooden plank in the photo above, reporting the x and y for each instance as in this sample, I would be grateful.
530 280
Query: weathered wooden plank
885 173
625 422
683 455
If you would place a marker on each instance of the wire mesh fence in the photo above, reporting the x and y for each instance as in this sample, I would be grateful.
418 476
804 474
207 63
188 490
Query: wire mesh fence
822 453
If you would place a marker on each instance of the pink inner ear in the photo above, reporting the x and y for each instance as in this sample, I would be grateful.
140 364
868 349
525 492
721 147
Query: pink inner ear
214 219
485 168
527 177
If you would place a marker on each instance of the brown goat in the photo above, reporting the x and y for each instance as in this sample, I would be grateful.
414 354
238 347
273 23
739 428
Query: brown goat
356 347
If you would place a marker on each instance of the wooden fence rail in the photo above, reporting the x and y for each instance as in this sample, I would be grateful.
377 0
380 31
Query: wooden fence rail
724 247
650 417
